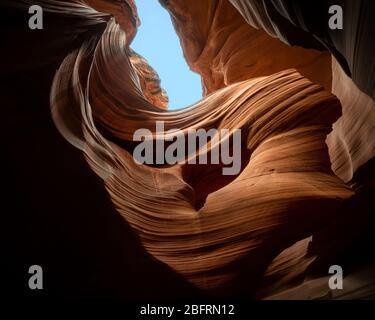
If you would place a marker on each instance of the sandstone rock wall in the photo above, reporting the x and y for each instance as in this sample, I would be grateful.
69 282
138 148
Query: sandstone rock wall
229 235
220 46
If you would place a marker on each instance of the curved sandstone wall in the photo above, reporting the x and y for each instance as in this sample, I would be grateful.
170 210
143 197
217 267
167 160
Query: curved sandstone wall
227 234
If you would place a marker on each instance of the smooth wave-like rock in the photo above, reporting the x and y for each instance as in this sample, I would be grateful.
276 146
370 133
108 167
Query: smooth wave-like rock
204 30
245 233
280 196
297 23
352 143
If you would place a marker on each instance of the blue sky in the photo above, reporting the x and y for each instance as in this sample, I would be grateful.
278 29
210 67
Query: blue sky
157 41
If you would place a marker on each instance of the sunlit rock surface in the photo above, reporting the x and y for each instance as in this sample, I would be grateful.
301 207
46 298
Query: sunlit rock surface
352 142
302 201
297 23
220 46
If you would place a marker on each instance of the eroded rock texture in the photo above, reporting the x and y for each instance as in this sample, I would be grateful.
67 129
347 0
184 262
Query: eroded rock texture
249 233
220 46
295 22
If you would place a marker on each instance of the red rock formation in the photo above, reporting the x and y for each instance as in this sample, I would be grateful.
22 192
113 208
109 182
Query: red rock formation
351 144
124 11
220 46
149 80
297 23
213 230
280 197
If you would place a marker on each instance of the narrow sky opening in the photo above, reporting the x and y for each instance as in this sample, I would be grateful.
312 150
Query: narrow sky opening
157 41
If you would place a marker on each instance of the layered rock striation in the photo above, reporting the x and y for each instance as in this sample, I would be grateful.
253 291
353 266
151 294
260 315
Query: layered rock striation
302 150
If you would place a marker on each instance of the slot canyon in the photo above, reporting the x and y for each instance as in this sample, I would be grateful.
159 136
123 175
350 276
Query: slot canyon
104 226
